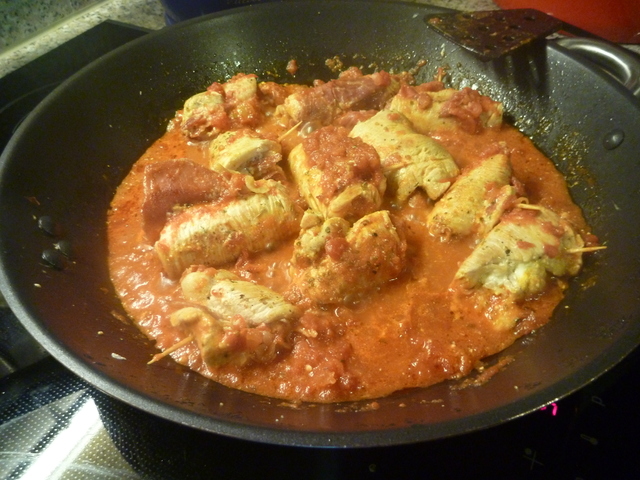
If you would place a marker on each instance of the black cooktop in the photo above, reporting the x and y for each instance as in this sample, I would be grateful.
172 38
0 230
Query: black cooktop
55 425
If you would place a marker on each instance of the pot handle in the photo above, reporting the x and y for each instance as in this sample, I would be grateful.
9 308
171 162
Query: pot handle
621 64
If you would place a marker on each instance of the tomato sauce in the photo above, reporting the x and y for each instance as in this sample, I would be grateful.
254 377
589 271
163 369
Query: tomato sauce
402 336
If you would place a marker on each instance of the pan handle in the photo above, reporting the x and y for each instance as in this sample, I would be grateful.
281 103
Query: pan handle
621 64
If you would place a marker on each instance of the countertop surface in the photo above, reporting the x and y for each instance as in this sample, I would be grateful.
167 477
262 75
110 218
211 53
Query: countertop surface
30 28
30 23
144 13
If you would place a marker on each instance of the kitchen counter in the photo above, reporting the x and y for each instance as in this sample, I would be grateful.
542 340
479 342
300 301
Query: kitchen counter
143 13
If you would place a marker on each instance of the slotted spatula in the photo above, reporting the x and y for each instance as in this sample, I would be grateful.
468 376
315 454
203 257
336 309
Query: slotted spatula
492 34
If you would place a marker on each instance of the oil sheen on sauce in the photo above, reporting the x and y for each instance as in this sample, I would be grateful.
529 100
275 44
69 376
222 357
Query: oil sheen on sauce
402 336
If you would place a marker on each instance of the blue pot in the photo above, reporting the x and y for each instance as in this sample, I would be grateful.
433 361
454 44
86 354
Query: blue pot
179 10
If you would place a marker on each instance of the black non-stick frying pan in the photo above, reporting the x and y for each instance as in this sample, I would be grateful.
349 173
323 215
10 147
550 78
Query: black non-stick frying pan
59 173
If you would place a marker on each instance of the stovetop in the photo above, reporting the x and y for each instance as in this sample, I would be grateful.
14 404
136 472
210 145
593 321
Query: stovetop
53 425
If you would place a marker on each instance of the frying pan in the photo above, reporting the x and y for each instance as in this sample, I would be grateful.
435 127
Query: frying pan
59 173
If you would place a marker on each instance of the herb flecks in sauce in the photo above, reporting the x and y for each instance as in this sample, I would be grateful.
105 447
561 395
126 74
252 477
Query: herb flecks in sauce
341 241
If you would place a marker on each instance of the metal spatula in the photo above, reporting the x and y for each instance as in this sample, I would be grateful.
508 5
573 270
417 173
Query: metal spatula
492 34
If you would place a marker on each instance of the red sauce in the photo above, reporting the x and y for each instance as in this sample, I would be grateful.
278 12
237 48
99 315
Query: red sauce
402 336
342 160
